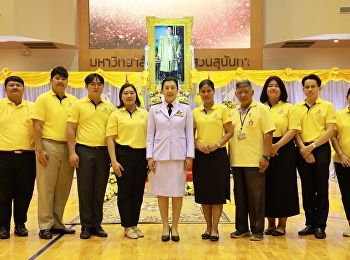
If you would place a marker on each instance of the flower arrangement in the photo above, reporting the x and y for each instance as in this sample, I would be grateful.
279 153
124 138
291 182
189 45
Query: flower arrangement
112 186
183 97
189 189
230 104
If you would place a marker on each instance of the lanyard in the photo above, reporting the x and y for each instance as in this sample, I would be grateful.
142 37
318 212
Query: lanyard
242 121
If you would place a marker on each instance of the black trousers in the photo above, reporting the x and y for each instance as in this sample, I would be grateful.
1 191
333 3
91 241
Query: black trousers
314 182
249 192
92 177
343 175
131 184
17 177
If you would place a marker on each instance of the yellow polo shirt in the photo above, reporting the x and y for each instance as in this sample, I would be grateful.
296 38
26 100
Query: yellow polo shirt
313 121
129 129
53 112
91 120
248 151
285 117
16 127
210 126
343 128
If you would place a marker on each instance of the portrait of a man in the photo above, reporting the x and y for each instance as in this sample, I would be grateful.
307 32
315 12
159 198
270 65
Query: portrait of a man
169 52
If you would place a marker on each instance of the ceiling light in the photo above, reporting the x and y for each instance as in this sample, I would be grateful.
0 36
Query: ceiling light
336 40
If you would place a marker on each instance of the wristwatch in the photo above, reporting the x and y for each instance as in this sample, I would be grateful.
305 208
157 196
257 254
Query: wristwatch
313 145
218 145
266 157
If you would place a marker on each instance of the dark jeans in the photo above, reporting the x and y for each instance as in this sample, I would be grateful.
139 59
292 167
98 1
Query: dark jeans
17 177
92 176
314 182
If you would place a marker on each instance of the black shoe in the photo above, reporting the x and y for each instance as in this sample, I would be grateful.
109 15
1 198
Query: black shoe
308 230
205 236
4 233
62 231
166 238
214 238
175 238
45 234
85 232
98 231
21 231
269 231
319 233
277 233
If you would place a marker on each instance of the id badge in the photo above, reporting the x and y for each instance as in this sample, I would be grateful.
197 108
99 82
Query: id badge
241 136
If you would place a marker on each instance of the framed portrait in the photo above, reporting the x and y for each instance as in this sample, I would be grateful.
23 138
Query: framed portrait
169 53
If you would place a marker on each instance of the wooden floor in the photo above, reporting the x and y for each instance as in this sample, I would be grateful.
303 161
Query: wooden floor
191 246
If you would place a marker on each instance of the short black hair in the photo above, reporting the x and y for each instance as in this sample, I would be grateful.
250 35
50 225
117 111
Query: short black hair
314 77
89 78
126 85
61 71
170 79
284 95
13 78
206 82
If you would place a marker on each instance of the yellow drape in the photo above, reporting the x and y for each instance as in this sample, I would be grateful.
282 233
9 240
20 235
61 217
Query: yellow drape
220 78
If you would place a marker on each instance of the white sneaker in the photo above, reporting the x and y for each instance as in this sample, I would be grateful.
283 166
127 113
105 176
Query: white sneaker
347 233
138 232
131 234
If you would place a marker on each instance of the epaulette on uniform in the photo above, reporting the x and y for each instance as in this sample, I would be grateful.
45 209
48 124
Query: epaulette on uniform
184 102
156 103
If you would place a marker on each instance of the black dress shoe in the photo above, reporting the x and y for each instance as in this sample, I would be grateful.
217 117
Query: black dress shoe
308 230
98 231
21 231
269 231
62 231
85 232
4 232
214 238
319 233
205 236
277 233
175 238
45 234
166 238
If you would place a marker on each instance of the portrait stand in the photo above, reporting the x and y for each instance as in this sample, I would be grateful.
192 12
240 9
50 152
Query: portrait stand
169 53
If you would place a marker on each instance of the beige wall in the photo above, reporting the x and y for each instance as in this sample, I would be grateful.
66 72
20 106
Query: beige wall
48 20
287 20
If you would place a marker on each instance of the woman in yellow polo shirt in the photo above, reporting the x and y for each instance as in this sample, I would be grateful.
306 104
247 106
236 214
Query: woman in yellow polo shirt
340 142
211 166
126 142
281 191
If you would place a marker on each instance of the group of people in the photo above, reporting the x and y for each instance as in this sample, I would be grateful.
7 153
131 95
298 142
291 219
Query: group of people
267 142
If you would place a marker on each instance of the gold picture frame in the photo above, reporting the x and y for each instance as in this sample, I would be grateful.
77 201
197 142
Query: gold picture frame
180 65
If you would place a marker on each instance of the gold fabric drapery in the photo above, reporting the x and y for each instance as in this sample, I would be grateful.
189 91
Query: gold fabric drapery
220 78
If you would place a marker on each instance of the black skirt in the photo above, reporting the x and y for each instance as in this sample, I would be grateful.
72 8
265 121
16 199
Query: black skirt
211 177
281 188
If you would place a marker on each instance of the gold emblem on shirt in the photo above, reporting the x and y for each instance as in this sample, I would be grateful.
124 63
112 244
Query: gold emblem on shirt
179 113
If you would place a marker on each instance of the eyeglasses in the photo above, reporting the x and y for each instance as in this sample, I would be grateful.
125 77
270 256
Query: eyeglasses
94 85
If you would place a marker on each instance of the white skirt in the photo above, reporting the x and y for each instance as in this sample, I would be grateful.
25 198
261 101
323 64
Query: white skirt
169 179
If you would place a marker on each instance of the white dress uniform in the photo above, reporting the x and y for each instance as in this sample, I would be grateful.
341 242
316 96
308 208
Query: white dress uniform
170 141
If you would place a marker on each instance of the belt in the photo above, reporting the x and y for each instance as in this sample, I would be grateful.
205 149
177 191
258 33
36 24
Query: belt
54 141
95 147
18 151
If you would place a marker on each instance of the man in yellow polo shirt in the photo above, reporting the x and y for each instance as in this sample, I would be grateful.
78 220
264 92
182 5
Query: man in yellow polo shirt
250 149
17 158
317 118
86 136
54 173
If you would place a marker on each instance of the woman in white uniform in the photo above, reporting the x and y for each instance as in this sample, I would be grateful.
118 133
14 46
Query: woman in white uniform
170 151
